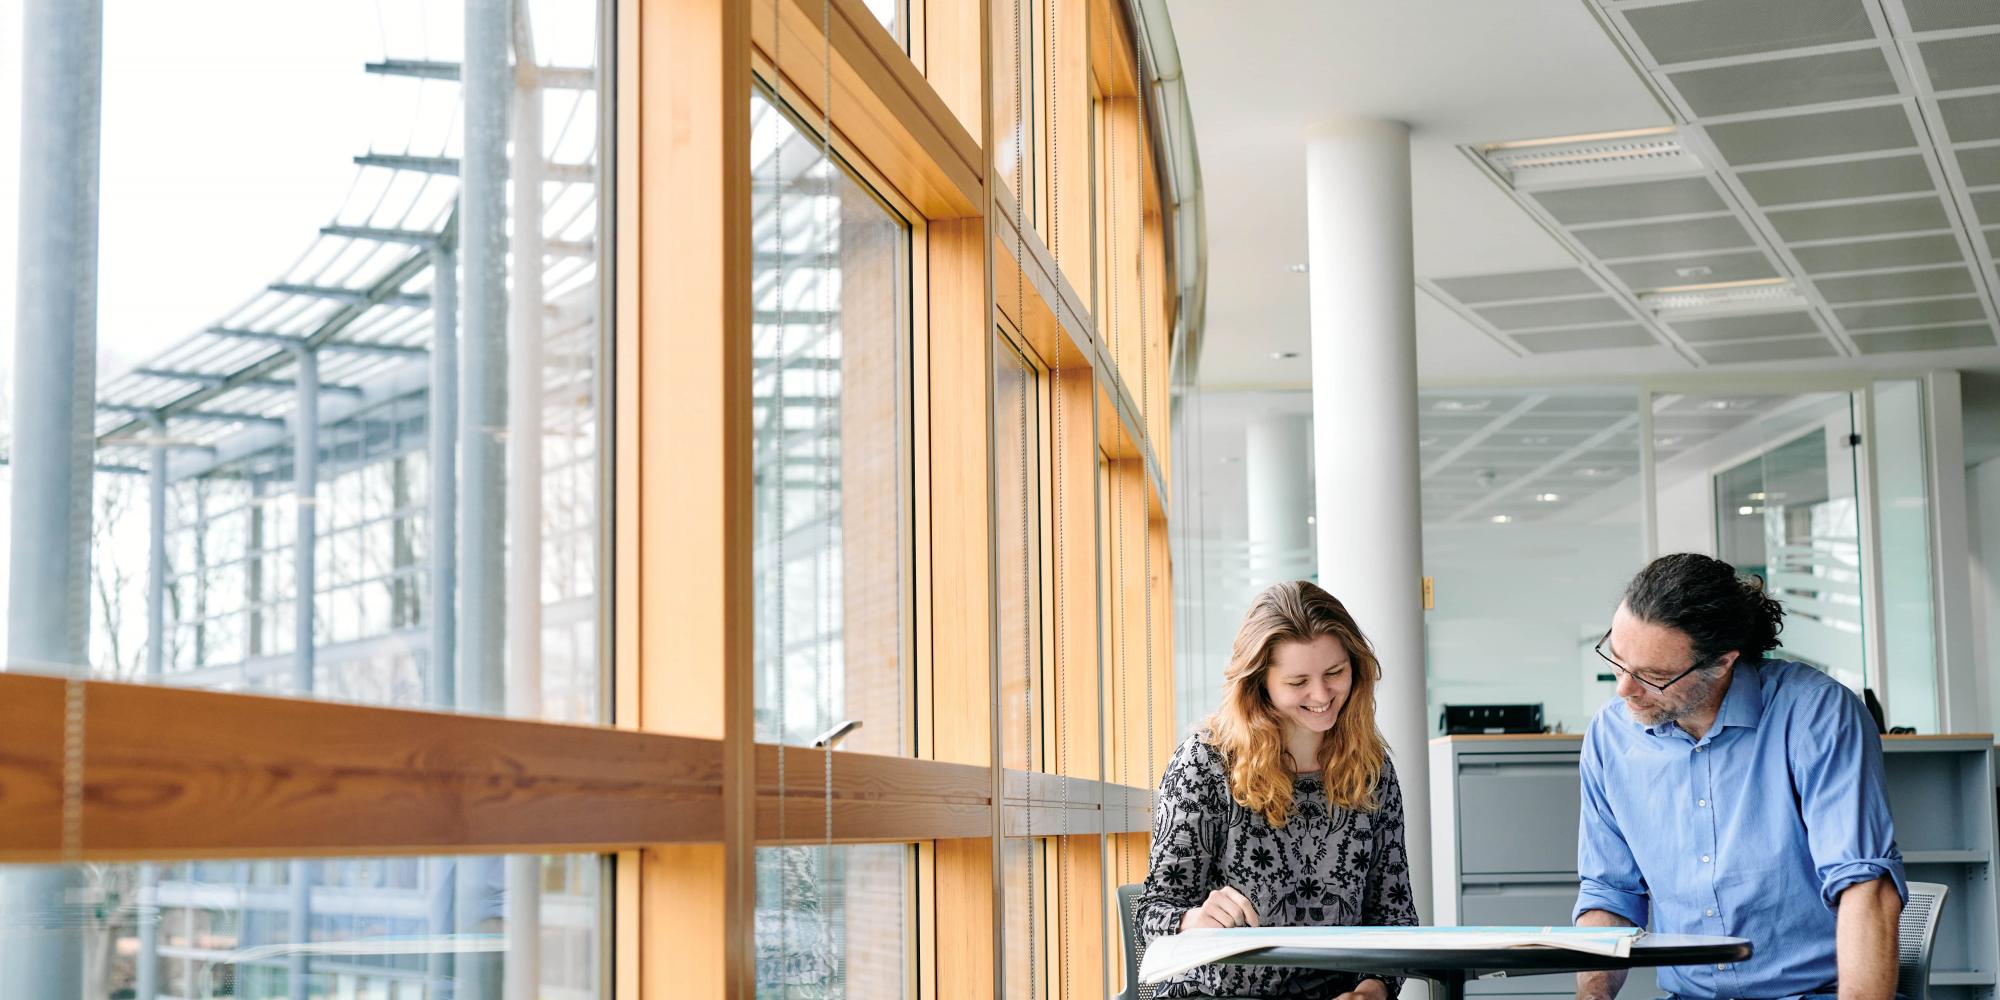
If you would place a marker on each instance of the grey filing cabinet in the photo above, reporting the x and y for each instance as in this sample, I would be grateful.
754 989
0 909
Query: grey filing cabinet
1504 821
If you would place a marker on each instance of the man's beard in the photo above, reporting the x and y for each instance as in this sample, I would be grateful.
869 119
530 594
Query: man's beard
1702 687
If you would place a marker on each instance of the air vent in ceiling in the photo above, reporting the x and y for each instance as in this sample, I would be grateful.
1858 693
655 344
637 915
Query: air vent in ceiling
1599 157
1764 295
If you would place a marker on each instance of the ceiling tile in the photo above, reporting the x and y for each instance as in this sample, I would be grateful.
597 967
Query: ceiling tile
1589 338
1958 63
1697 270
1768 350
1987 205
1575 312
1772 84
1519 285
1716 29
1942 338
1715 328
1889 317
1937 15
1897 285
1616 202
1971 119
1907 251
1652 240
1980 166
1821 133
1829 181
1876 218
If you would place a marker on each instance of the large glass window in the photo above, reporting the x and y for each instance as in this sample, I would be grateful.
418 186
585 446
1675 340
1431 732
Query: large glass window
831 486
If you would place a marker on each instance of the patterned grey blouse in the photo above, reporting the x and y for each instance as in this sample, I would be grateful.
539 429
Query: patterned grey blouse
1326 866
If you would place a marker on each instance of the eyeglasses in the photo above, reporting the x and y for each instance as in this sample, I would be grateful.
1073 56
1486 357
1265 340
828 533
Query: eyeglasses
1623 669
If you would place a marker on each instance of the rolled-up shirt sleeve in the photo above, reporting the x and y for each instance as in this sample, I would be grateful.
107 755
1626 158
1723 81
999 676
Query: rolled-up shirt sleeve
1836 769
1608 874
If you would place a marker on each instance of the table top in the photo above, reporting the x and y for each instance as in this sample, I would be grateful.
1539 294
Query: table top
1647 949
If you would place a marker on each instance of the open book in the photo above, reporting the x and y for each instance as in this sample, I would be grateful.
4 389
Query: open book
1178 953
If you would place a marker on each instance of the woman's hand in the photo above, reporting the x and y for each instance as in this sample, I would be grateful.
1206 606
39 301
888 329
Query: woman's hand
1367 989
1225 907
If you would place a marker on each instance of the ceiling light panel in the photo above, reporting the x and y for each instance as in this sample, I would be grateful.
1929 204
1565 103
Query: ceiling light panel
1706 269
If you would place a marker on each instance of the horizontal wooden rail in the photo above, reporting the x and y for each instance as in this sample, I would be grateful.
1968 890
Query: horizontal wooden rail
172 773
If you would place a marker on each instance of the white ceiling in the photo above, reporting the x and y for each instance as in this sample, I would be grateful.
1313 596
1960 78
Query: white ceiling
1459 73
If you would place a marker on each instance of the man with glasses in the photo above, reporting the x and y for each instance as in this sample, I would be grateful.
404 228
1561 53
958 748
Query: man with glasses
1727 793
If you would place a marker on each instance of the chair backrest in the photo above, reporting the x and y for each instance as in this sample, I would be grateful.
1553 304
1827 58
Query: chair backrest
1135 946
1913 939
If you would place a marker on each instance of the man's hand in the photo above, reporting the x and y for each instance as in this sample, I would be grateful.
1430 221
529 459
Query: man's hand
1367 989
1865 939
1600 985
1225 907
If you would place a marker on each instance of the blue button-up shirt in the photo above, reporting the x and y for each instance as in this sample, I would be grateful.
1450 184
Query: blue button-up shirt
1751 831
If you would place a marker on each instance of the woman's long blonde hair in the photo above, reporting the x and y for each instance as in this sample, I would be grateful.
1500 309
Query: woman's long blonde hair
1248 730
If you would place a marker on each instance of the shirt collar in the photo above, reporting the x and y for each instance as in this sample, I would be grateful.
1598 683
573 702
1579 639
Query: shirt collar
1742 704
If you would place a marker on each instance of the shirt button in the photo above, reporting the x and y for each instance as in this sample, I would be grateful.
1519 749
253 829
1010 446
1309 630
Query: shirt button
1699 749
1712 913
1719 966
1702 803
1704 860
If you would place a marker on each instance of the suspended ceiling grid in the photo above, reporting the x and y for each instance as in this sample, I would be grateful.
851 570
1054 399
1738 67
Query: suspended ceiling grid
1848 146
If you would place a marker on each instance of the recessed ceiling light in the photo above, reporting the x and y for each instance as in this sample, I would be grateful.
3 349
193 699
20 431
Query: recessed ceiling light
1595 472
1718 404
1594 157
1310 519
1757 295
1694 271
1666 442
1459 405
1297 268
1283 355
1548 497
1501 519
1759 495
1746 511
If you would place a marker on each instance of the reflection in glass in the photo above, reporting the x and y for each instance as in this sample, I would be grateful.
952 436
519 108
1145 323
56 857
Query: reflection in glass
1532 525
831 333
833 924
1902 476
376 927
1790 515
1016 550
830 287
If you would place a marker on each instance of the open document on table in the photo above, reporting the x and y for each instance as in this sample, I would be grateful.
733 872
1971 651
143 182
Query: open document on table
1178 953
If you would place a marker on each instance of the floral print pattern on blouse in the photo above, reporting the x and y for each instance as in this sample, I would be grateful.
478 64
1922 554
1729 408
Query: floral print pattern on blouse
1326 866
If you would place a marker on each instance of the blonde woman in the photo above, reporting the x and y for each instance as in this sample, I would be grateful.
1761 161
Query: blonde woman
1282 809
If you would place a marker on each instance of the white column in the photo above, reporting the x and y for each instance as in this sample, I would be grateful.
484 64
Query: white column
1364 367
1276 449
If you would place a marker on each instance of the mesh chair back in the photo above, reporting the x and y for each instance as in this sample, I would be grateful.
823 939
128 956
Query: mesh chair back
1135 947
1913 939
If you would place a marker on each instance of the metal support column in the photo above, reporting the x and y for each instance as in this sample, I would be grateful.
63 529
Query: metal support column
147 976
55 361
305 488
524 490
488 89
444 477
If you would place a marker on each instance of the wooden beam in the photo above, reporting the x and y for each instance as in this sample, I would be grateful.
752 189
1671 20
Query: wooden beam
884 112
176 773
